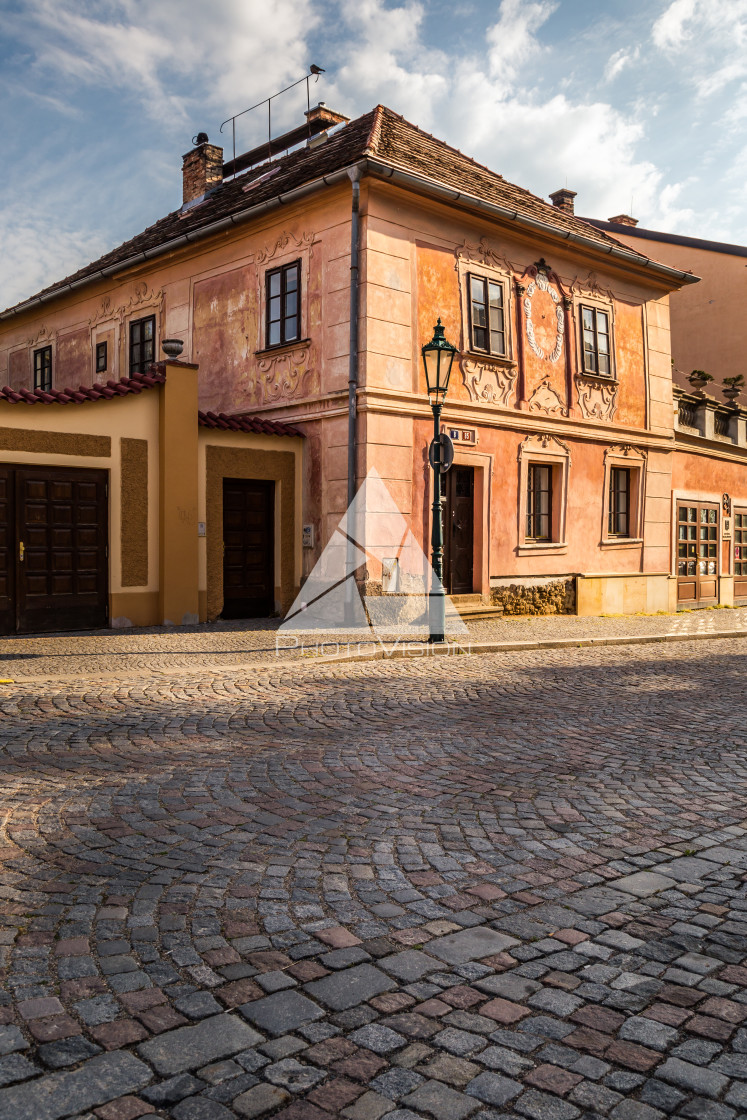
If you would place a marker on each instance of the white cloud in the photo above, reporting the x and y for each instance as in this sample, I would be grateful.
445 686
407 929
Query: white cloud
708 38
512 39
670 29
618 61
173 55
486 106
501 83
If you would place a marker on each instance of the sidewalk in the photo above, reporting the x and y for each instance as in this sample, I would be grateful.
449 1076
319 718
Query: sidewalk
251 642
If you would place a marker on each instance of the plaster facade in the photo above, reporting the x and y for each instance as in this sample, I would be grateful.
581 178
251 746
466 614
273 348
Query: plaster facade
531 405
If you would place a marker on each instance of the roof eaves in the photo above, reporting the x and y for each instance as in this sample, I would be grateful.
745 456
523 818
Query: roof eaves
439 190
199 234
669 238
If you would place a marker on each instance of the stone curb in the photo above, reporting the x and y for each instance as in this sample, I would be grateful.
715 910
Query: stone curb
395 653
470 648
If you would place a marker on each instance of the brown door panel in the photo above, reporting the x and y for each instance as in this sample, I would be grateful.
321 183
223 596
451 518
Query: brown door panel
62 520
248 548
7 551
458 515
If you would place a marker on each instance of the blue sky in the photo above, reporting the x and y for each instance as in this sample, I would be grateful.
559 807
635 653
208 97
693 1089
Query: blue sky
640 106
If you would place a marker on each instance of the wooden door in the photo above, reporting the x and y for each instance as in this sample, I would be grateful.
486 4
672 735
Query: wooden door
8 551
740 554
61 553
697 553
459 517
248 548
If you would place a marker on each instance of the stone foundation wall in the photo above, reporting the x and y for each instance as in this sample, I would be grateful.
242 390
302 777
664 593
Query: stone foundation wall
554 597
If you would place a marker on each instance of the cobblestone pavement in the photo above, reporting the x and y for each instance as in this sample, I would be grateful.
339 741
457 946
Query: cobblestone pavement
510 885
231 644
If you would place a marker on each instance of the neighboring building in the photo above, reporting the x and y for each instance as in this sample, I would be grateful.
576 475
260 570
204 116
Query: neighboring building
111 500
709 473
560 400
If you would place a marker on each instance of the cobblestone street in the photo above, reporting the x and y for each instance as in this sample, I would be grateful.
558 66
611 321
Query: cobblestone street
503 885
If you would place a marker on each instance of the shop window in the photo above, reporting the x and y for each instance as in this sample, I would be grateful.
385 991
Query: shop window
740 544
697 541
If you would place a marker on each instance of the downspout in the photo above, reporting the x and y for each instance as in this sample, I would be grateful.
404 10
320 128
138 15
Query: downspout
354 173
352 599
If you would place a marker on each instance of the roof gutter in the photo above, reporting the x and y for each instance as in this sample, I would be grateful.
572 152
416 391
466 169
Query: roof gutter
188 238
494 209
377 167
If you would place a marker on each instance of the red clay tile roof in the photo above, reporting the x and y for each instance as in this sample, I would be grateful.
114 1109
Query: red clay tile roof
83 393
155 376
247 424
380 134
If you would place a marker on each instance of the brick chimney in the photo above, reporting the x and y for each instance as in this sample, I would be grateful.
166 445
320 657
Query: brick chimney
202 169
327 116
623 220
563 199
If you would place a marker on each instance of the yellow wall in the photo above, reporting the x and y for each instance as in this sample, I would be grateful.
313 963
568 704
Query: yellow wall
164 420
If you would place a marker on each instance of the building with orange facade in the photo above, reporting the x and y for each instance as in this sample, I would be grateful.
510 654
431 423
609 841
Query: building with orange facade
301 284
709 473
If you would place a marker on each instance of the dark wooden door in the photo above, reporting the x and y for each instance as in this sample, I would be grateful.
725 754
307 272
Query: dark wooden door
248 548
8 551
61 549
459 517
697 553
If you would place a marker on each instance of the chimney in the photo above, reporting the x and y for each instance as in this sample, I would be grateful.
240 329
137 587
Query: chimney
325 116
202 169
623 220
563 199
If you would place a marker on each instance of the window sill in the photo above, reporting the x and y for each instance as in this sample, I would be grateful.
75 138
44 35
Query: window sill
284 346
621 542
492 359
541 546
607 378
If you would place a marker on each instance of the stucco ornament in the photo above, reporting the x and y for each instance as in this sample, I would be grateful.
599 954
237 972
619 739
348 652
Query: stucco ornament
142 298
483 254
280 376
42 335
545 399
541 283
543 441
597 398
285 241
488 381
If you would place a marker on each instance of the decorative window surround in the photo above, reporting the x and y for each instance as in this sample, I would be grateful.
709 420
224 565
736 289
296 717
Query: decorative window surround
632 459
488 378
544 450
587 293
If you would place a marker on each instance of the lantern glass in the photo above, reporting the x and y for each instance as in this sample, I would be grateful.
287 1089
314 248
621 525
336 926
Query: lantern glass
438 356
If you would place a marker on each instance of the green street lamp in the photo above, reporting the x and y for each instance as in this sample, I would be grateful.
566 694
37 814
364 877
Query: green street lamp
438 356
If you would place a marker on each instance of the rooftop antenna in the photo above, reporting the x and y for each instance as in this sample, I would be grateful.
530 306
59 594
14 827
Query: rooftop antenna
314 72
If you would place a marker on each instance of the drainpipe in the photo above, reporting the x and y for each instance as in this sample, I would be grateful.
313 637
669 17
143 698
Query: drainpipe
352 600
355 175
